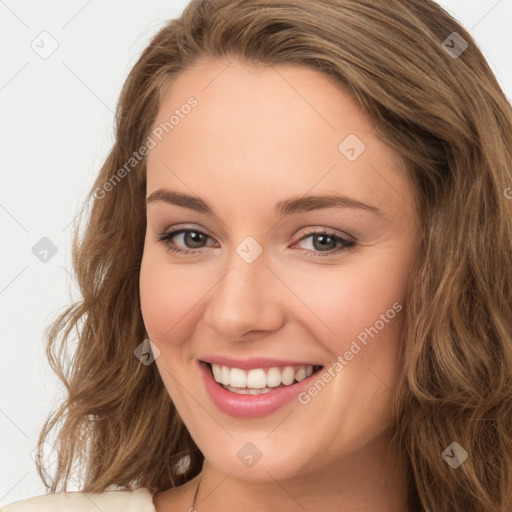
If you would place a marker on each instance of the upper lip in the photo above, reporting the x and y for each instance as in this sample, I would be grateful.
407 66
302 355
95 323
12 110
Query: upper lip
253 362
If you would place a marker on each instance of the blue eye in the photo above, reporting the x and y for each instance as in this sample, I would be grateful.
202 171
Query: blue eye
194 237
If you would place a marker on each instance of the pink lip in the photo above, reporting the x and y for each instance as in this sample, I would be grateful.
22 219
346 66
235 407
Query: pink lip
250 406
253 362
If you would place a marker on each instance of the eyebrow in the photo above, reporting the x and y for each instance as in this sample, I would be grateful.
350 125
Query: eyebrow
282 208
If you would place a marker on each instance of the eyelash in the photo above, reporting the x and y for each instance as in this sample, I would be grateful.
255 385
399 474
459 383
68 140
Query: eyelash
347 245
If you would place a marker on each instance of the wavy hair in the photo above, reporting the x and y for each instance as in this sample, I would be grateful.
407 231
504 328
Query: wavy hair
451 126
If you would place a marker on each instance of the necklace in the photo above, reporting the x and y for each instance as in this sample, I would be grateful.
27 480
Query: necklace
195 495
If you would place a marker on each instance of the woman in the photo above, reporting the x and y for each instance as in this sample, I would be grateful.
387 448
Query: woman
296 273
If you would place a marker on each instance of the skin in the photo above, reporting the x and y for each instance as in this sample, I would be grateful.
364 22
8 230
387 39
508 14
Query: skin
260 135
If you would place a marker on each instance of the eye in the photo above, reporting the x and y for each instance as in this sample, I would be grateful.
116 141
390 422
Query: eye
325 239
195 239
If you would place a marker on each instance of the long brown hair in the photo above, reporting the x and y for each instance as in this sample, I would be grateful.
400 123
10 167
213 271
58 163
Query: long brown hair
451 125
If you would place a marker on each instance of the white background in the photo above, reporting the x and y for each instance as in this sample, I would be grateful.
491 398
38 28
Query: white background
56 127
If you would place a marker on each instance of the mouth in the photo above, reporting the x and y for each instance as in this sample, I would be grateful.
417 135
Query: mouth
259 381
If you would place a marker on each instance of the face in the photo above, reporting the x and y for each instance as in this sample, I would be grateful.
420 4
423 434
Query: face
263 275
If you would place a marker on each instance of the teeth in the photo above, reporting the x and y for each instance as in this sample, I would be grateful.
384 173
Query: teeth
258 380
237 378
217 372
288 375
248 391
300 374
225 375
273 377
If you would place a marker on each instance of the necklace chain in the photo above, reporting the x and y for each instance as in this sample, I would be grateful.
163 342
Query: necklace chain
195 495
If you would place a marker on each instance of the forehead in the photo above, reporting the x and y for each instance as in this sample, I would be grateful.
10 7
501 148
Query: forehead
271 129
287 99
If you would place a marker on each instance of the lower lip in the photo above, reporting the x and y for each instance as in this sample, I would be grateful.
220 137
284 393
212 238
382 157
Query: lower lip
250 406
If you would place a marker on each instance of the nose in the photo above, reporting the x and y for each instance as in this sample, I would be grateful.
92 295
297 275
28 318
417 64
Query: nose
248 298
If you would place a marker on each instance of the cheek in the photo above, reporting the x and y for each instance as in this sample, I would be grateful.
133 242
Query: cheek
341 303
167 311
166 300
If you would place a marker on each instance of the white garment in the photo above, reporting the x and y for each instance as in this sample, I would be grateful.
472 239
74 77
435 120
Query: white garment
139 500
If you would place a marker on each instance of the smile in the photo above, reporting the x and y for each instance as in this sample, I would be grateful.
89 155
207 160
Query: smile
260 380
254 391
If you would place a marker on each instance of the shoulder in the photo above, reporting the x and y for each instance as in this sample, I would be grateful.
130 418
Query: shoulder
139 500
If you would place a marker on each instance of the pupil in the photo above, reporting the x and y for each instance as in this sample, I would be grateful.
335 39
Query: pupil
324 238
194 236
